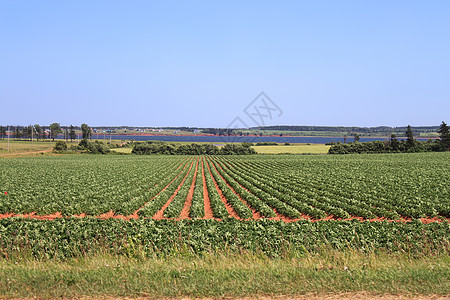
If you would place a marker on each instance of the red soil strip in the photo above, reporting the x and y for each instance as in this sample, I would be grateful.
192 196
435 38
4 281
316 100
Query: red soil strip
431 220
207 201
83 215
187 204
7 215
229 208
33 215
159 215
256 215
108 215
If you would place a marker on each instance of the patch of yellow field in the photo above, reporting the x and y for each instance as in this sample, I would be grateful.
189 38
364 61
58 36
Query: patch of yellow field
293 149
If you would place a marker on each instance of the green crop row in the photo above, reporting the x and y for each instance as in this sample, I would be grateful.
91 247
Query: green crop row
197 209
75 237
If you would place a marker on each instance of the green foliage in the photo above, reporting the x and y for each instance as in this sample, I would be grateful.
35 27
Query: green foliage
391 186
93 147
60 146
444 135
198 203
192 149
410 141
72 133
86 131
266 144
91 184
55 129
80 237
391 146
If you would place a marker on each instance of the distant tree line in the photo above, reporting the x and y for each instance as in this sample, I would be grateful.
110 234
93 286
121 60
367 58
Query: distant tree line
395 145
150 147
266 144
380 129
38 132
219 131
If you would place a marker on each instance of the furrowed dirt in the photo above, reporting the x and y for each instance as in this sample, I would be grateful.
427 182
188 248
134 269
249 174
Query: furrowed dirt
208 210
187 204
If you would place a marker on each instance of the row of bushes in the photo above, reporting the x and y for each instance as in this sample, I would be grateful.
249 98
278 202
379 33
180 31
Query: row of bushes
150 147
392 146
84 145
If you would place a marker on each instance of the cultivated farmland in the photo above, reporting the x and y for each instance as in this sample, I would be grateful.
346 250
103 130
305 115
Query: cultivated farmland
215 226
288 188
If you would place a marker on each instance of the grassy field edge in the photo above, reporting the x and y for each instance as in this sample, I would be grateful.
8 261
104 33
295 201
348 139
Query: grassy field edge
224 275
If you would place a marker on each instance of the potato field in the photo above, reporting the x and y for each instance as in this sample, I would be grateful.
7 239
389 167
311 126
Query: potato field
278 187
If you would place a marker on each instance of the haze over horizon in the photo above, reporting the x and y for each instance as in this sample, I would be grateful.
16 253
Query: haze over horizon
201 63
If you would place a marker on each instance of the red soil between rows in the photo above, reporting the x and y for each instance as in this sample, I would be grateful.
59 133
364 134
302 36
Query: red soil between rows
228 207
188 203
207 201
111 215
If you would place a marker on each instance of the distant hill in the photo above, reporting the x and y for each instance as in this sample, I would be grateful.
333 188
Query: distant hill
379 130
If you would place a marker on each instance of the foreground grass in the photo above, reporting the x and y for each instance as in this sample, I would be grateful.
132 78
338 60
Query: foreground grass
227 275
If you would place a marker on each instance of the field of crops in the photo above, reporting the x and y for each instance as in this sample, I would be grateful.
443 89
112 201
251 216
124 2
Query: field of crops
280 187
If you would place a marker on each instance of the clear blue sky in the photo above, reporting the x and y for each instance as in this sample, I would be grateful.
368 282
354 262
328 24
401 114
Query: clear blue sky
199 63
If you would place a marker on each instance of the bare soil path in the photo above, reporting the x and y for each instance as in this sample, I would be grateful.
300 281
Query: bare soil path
188 203
207 201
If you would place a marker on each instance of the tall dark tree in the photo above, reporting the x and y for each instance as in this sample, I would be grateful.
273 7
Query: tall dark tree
444 134
72 134
86 131
410 141
28 132
393 142
38 130
17 133
2 132
55 128
356 137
